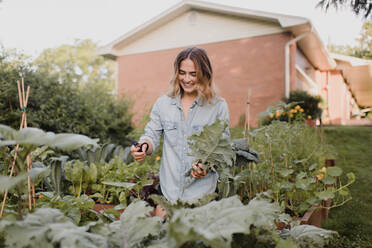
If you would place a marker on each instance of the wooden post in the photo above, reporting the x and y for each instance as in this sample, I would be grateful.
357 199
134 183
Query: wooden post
247 114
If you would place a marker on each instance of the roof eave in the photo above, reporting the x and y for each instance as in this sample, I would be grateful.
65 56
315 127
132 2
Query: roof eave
283 20
313 47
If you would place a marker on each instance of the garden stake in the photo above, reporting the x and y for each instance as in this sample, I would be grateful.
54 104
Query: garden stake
247 112
23 105
29 165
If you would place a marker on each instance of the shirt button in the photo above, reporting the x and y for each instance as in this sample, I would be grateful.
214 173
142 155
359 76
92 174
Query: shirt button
184 149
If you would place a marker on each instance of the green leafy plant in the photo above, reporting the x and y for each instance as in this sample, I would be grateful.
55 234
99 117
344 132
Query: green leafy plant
81 175
225 223
78 209
48 227
30 139
119 182
113 182
211 148
292 167
11 182
105 153
233 180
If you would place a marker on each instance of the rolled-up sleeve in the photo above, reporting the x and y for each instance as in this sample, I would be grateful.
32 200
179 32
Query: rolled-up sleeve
154 128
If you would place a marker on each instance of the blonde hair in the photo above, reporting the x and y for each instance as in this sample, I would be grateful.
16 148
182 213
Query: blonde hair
204 74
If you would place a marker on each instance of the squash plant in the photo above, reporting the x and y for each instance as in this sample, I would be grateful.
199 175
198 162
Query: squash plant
292 167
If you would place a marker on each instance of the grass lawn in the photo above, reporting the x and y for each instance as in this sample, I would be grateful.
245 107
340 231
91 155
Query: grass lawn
354 154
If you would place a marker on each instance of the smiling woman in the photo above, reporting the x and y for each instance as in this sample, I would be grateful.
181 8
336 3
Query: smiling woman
191 103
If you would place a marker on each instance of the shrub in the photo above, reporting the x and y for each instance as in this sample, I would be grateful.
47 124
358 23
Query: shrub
299 106
309 103
280 111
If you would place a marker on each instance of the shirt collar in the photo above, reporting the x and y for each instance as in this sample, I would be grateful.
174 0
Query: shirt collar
177 101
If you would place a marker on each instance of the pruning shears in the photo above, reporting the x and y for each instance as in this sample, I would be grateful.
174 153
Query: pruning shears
136 144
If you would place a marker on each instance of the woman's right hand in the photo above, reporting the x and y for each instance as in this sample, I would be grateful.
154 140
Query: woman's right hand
137 155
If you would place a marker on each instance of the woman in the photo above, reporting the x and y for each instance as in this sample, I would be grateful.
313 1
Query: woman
191 103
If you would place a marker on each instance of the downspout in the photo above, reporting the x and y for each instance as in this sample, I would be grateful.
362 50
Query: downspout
287 60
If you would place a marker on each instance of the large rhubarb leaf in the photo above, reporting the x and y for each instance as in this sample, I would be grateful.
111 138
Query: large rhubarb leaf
37 137
10 182
48 227
170 207
311 236
137 225
216 222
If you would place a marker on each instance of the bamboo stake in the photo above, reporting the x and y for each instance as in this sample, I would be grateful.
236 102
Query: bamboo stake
28 158
23 92
29 162
15 155
23 100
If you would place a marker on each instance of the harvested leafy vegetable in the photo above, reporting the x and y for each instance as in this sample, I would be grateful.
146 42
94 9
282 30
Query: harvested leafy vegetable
212 148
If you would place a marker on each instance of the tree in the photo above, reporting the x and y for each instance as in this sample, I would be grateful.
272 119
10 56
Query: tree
77 64
62 107
362 49
359 7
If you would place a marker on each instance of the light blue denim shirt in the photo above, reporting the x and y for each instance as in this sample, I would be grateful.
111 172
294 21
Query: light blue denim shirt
167 118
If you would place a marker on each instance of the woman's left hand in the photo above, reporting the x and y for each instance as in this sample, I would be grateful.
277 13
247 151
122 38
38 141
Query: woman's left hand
198 171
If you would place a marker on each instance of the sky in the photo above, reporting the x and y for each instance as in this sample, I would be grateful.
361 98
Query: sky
31 26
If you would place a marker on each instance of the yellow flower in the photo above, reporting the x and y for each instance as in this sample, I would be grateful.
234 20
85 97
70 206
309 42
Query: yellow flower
291 111
108 202
295 111
157 158
323 169
40 196
297 107
309 117
294 191
320 176
301 110
291 115
277 114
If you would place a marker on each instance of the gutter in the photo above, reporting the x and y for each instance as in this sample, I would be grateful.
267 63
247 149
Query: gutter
287 60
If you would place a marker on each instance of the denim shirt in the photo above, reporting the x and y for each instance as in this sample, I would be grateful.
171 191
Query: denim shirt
167 118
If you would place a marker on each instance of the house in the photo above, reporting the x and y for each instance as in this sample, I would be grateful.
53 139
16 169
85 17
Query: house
255 55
